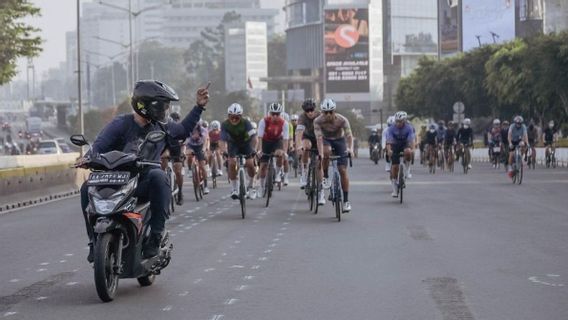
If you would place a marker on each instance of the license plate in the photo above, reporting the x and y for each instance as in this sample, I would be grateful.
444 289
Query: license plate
108 178
496 149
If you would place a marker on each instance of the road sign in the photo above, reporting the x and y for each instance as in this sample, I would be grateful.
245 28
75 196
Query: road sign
459 107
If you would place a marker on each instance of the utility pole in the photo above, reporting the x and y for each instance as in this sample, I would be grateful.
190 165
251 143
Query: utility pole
79 101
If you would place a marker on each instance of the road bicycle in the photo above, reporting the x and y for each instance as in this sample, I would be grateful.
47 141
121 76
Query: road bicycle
401 179
197 178
336 189
313 186
241 160
551 157
517 166
269 181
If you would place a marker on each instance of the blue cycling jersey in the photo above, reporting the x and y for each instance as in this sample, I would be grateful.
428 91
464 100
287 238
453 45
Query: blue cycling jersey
400 136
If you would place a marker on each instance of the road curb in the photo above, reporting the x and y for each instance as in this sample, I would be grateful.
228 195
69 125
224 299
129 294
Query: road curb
11 207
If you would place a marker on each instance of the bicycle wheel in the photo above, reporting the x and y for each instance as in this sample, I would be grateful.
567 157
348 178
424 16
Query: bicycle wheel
242 192
519 170
553 160
195 178
400 182
310 188
269 182
337 196
317 189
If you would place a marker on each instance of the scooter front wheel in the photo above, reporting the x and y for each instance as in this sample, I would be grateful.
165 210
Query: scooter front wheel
106 277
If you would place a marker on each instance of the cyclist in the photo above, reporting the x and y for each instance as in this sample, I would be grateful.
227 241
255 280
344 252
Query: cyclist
333 131
274 132
420 139
533 135
390 123
450 139
175 152
292 127
441 131
465 138
517 137
505 139
549 137
494 138
196 145
214 139
431 142
238 137
373 140
400 138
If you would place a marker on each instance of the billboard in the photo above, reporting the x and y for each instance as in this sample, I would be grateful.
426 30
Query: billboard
346 36
487 21
448 24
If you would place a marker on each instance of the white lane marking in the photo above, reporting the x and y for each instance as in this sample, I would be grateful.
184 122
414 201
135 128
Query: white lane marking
536 280
181 231
280 234
173 234
224 254
183 294
292 214
167 308
41 298
283 229
553 275
242 287
220 261
273 245
71 283
231 301
255 267
237 241
288 219
268 251
285 223
236 266
248 277
255 221
196 281
11 313
232 247
68 254
209 270
14 280
44 264
181 225
187 228
275 239
62 261
41 270
262 258
75 270
218 317
195 224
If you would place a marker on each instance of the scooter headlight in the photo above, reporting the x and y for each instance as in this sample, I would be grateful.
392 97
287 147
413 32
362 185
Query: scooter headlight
106 206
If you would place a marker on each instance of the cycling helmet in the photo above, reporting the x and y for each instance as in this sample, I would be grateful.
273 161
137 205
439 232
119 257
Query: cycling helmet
328 105
551 123
374 130
518 120
204 123
432 127
496 122
253 124
235 109
505 123
308 104
175 116
441 123
150 99
400 116
390 121
275 107
294 117
467 121
450 124
215 125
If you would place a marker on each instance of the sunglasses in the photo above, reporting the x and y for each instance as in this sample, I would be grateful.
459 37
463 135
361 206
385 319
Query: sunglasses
310 110
328 112
233 117
275 114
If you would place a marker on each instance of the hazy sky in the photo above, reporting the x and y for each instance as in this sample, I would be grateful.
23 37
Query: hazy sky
59 16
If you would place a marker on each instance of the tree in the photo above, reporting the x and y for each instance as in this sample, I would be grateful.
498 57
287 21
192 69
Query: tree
17 39
277 58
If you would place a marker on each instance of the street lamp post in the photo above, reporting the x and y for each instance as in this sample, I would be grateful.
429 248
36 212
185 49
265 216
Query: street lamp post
81 118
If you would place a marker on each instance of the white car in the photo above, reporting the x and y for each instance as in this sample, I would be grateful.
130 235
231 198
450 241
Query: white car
48 147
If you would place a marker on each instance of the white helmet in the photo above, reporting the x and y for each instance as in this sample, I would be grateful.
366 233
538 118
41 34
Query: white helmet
215 125
253 124
496 122
204 123
275 107
467 121
328 105
235 108
294 117
518 119
390 121
400 116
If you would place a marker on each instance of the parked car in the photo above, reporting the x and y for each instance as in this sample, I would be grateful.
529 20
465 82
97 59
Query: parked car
48 147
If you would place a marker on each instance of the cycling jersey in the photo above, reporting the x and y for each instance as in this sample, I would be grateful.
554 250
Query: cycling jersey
373 139
549 135
517 133
465 135
532 134
400 136
495 134
335 128
441 133
198 136
431 138
450 136
214 136
307 124
505 135
270 129
239 133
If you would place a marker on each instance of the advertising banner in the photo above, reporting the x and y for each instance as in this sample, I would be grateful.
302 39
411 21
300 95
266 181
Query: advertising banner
449 27
347 50
487 21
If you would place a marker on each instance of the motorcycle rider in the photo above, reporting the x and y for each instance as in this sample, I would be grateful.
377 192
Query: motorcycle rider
150 102
374 139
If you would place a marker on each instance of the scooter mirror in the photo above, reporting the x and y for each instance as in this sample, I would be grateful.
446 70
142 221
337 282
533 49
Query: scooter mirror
78 140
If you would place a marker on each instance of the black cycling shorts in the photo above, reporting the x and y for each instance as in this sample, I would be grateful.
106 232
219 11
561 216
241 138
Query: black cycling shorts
236 149
269 147
198 151
396 150
339 147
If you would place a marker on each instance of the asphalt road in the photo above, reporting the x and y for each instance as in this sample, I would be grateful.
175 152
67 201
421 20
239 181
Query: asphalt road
460 247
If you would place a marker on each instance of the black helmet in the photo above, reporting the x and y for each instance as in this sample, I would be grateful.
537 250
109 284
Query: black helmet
308 104
149 99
